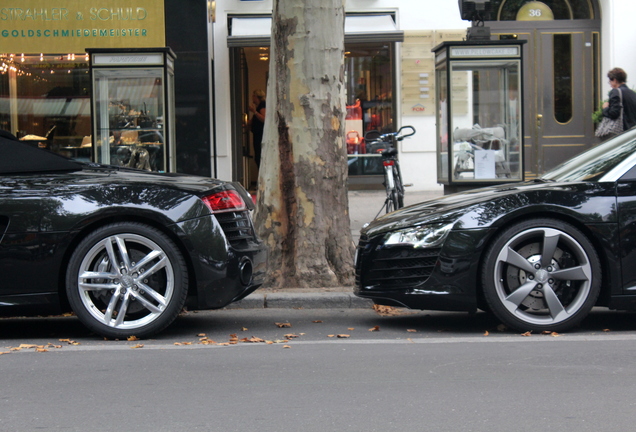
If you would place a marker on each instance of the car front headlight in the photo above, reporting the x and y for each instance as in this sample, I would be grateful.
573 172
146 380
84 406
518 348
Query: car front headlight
420 237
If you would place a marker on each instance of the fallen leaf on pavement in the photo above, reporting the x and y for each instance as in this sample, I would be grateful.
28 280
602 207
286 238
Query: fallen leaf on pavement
282 325
291 336
253 339
411 330
606 330
331 335
351 328
317 321
376 328
486 333
137 346
41 350
133 338
201 335
343 336
528 333
243 328
286 346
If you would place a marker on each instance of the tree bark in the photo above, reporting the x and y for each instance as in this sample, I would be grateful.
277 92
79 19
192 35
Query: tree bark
302 206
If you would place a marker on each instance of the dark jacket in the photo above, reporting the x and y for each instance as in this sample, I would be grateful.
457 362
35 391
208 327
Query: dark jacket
629 106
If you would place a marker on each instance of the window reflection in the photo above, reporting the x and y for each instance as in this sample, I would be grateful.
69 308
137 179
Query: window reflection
369 94
44 101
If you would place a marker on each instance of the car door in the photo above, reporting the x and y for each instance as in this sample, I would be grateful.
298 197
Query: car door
20 249
626 207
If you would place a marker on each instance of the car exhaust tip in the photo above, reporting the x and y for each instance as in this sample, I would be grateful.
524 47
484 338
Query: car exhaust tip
246 271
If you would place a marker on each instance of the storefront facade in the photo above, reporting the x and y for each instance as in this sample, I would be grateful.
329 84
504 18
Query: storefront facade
53 94
221 55
392 83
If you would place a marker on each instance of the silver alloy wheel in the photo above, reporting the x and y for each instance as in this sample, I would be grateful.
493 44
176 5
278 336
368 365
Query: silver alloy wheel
542 276
126 281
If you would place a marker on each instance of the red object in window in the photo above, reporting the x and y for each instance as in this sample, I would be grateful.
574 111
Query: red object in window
355 143
224 201
354 112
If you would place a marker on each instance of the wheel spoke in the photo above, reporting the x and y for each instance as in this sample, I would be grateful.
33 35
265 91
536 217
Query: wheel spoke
157 266
123 251
557 311
513 258
581 273
550 241
148 305
148 258
111 254
96 286
123 308
108 315
154 294
520 294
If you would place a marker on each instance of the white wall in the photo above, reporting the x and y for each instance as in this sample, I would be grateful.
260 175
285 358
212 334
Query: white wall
618 33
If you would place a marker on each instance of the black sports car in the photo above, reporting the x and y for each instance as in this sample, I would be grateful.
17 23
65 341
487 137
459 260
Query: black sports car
124 249
538 254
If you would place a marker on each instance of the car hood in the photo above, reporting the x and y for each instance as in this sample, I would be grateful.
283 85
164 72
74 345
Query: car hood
480 208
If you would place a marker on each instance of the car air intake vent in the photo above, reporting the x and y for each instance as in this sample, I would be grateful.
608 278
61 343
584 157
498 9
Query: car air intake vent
395 267
237 227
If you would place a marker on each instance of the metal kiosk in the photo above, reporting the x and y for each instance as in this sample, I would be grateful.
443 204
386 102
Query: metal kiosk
133 107
479 113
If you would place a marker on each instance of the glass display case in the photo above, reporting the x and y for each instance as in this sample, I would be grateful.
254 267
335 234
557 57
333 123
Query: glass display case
479 112
133 108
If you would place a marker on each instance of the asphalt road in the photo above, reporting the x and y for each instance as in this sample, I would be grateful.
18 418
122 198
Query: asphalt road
419 371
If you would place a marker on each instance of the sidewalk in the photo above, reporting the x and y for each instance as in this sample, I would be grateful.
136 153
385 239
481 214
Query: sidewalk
363 208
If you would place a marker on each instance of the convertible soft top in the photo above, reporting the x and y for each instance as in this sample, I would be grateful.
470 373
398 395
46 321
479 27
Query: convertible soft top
18 157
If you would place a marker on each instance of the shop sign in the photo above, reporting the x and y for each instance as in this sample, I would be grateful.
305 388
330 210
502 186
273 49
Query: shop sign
71 26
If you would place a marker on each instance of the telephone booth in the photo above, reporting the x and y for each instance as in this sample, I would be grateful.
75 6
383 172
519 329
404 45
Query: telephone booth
479 102
133 107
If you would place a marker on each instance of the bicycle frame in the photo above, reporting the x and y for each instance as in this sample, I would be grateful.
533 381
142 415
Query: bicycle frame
392 175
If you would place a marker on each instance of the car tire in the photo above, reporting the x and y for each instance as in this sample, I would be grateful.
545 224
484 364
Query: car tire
541 275
140 295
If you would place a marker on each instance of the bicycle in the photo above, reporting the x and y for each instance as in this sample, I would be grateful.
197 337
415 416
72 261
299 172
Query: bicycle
386 145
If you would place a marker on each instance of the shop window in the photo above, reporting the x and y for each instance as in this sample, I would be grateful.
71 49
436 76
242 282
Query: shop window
370 109
44 100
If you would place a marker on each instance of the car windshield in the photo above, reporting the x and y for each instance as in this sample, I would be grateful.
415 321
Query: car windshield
595 162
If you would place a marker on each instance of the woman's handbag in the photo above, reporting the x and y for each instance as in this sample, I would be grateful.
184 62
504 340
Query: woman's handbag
609 127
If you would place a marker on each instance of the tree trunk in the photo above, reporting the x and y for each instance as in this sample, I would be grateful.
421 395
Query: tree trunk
302 207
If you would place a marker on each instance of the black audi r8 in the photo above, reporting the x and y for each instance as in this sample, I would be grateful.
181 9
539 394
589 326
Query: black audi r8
125 250
538 254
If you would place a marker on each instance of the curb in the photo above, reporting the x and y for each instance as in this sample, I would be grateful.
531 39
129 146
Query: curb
329 300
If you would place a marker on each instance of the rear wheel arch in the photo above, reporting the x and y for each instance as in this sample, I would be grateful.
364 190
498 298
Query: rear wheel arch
95 225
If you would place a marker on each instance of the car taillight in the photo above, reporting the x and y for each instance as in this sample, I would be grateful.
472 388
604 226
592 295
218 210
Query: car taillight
224 201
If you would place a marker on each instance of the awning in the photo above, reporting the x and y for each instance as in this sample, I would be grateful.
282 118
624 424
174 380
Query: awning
256 31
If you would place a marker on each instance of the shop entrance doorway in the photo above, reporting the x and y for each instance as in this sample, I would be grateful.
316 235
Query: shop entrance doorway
250 66
562 77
